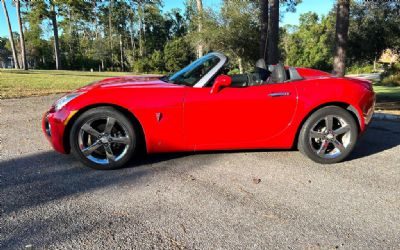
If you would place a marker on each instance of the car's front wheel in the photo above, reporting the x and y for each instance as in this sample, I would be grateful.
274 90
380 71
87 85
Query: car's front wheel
328 135
103 138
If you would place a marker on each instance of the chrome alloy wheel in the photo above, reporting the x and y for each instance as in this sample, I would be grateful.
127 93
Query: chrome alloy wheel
104 140
330 137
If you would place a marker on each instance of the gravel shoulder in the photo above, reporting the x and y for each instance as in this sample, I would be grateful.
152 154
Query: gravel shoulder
208 200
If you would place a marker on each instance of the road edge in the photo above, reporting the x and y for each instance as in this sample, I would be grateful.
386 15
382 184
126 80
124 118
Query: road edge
382 116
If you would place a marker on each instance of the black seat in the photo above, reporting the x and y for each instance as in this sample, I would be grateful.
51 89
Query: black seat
278 73
239 80
260 74
263 74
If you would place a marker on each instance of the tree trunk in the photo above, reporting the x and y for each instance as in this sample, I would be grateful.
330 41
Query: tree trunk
21 35
263 29
110 31
122 52
14 52
273 33
71 44
95 22
342 28
144 29
53 18
200 27
133 44
140 30
240 65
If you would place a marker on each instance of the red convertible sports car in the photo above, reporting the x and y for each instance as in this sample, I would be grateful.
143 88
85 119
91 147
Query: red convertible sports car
201 108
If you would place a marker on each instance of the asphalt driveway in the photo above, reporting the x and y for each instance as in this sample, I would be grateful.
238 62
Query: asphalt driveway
262 199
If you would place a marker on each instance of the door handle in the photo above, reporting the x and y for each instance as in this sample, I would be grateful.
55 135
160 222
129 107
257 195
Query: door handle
278 94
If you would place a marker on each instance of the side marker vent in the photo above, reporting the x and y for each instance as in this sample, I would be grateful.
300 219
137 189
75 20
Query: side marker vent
159 116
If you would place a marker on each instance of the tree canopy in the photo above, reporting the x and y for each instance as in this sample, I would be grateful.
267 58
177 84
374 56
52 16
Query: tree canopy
136 35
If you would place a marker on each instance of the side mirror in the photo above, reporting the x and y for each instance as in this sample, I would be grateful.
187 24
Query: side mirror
220 82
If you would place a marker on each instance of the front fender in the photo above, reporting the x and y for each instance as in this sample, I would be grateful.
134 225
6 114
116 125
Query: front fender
158 111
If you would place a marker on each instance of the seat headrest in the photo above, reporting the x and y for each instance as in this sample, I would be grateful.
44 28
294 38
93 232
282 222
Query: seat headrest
278 73
261 64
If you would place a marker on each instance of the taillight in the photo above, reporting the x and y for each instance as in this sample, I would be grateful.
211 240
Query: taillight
370 86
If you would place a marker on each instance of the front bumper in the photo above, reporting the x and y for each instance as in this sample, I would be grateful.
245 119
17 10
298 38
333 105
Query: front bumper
54 125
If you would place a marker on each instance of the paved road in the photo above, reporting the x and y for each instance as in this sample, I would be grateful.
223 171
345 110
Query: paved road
207 201
369 76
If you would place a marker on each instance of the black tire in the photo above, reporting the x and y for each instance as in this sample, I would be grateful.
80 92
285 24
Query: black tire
324 145
106 148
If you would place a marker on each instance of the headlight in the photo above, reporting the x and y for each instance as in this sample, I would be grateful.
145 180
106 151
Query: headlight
60 103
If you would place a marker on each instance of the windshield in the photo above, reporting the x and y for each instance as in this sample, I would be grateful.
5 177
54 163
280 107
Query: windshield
192 73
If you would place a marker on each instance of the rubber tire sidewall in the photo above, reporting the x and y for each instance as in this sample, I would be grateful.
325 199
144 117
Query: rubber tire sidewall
102 112
303 142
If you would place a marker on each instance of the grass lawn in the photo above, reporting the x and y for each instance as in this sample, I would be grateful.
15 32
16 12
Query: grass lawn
20 83
388 98
387 94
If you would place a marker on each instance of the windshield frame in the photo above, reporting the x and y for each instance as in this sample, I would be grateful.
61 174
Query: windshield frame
210 74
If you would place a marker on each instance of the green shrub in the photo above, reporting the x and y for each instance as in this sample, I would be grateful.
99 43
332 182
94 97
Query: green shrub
391 81
233 71
177 54
393 69
391 75
362 69
141 66
156 62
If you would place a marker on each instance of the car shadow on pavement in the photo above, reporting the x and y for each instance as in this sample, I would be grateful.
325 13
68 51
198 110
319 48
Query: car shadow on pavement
48 176
380 136
35 179
49 179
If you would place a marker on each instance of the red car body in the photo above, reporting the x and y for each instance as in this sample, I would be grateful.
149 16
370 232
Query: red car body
182 118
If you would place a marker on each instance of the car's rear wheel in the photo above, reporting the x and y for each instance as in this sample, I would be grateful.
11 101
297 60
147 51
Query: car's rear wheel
328 135
103 138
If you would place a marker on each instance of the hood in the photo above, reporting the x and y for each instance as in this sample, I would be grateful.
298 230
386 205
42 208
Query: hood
130 82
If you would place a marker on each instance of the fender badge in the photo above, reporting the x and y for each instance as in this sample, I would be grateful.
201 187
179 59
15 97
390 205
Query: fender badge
159 116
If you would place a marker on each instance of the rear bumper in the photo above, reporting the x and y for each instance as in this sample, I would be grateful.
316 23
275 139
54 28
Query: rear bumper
53 126
366 109
368 106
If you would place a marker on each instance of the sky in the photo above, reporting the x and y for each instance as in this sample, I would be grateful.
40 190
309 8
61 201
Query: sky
321 7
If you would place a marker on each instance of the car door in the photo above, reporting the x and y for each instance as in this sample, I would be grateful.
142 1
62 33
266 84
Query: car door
235 118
